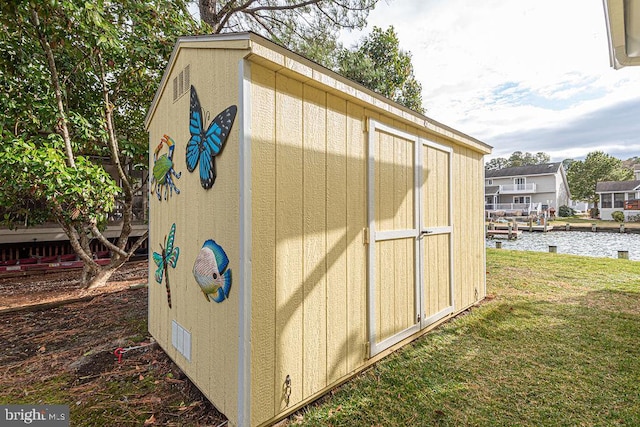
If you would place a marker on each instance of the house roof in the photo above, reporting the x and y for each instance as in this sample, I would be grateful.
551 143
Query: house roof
543 169
490 190
259 50
617 186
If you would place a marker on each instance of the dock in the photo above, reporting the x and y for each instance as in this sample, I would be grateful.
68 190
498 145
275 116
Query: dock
509 234
525 227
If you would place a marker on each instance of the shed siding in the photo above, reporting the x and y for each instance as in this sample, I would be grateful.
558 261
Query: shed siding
308 212
337 289
309 261
199 215
468 220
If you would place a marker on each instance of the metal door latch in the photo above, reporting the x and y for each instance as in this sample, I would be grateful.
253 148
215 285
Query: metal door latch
287 389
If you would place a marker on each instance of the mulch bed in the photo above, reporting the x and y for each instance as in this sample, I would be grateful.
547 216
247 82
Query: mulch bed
61 352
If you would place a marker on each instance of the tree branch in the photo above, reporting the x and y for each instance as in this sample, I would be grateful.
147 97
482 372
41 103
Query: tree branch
55 82
283 7
127 212
98 235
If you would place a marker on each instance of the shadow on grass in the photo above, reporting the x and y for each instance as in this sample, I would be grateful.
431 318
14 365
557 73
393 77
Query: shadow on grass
520 362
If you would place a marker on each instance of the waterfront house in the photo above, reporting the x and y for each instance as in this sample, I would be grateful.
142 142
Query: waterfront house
619 196
526 190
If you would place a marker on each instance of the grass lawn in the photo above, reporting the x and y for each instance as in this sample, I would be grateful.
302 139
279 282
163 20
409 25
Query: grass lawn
557 344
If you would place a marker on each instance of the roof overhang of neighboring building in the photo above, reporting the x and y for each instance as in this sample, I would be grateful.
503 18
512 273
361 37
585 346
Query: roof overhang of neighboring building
623 30
493 190
529 170
617 186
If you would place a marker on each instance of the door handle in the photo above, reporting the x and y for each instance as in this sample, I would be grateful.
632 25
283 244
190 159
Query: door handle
424 232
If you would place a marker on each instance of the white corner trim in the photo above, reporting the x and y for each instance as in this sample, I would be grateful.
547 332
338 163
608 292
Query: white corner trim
244 312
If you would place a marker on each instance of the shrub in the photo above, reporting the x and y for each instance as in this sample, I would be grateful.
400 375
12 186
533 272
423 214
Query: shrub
594 212
565 211
618 216
633 218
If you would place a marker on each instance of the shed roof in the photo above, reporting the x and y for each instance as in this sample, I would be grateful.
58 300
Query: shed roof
267 53
617 186
543 169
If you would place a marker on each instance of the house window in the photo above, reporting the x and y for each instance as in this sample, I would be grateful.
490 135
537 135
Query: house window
522 199
520 183
618 200
605 201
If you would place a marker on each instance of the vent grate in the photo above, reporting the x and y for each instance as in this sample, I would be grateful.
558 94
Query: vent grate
181 83
181 340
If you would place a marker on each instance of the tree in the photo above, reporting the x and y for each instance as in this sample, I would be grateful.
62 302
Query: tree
288 22
310 27
496 164
518 158
596 167
378 63
77 79
566 163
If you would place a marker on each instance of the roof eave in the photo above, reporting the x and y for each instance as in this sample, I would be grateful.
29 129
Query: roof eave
260 49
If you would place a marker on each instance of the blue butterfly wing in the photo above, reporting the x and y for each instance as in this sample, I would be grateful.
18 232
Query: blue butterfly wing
207 168
194 146
219 129
214 139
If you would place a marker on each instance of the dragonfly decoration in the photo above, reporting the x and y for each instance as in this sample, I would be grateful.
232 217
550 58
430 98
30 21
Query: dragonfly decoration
168 256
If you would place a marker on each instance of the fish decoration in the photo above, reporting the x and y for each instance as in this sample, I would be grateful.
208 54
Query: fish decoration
211 272
168 256
163 170
204 145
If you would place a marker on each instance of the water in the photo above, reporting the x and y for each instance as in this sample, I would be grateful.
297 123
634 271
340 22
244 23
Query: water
585 243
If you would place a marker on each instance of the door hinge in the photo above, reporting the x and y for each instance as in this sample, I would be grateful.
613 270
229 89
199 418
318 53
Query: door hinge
365 236
367 349
418 318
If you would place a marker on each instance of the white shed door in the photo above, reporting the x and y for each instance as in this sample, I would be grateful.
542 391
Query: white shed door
410 283
394 222
436 242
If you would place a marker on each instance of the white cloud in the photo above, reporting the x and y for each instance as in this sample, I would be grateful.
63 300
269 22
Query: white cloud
509 72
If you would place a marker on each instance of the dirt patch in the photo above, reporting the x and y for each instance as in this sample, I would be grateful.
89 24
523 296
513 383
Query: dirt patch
64 353
38 287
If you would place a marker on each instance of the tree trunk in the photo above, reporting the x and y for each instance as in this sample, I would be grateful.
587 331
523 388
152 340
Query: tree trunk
208 13
102 277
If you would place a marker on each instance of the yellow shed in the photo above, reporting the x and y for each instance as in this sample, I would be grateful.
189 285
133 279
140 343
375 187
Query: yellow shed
301 226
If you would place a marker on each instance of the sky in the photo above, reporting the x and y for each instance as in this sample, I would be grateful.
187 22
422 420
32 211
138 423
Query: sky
519 75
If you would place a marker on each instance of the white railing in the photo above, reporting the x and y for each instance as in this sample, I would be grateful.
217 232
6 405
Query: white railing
518 188
511 207
507 207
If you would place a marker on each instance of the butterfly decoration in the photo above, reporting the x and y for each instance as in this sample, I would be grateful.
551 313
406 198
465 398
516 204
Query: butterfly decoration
211 272
163 170
168 256
204 145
